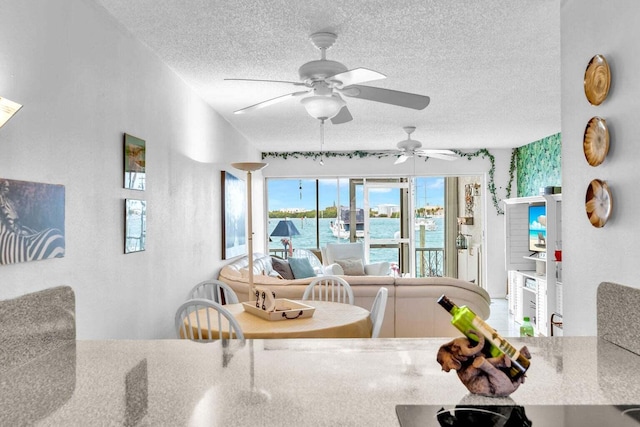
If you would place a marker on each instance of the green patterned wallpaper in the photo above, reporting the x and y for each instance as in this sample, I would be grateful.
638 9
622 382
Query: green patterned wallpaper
539 165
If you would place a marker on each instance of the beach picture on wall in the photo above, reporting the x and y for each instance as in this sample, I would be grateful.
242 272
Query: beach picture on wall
234 237
135 225
31 221
134 163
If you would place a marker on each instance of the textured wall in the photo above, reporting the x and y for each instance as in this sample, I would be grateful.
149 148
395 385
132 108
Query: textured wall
608 254
83 82
539 165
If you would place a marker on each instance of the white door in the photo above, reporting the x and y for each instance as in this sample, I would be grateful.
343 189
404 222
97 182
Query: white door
374 214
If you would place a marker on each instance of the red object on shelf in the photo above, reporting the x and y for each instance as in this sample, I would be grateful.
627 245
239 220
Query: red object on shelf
558 255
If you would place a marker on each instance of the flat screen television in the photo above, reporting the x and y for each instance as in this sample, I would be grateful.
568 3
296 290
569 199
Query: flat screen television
537 228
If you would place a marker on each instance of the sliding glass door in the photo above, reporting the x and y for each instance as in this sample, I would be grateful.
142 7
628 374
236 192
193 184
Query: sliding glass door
399 220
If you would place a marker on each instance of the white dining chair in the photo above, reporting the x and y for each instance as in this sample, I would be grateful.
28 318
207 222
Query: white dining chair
214 290
377 311
195 317
329 288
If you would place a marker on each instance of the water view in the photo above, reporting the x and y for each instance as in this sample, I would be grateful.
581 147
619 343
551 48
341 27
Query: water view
381 228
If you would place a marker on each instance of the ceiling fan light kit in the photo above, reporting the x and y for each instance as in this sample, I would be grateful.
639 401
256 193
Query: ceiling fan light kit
323 107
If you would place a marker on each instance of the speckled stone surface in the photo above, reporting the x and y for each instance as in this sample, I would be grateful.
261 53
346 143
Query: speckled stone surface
35 324
37 354
308 382
619 315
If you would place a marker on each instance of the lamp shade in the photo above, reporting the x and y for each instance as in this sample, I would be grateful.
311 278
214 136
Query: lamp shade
7 109
285 228
322 107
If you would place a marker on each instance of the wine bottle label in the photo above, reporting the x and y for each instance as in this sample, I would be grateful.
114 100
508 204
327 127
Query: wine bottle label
496 339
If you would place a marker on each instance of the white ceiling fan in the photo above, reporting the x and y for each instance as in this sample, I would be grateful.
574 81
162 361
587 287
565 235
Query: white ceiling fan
410 147
326 82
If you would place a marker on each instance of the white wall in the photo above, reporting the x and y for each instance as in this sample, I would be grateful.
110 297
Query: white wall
494 269
592 255
84 82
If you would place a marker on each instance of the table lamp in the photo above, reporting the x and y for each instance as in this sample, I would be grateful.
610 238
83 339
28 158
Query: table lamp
285 228
249 167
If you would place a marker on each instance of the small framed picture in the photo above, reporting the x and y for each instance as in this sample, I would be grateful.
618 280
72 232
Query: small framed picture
135 236
234 237
134 163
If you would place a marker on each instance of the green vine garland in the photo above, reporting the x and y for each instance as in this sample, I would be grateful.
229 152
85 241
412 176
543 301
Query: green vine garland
484 153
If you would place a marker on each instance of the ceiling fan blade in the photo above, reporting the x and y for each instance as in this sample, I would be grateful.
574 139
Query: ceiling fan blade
428 151
357 75
403 158
269 102
441 156
387 96
270 81
343 116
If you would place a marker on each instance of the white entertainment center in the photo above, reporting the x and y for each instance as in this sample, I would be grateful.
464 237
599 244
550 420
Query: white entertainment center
535 278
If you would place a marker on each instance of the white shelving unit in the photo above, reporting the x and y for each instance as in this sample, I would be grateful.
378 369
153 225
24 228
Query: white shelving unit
534 288
469 265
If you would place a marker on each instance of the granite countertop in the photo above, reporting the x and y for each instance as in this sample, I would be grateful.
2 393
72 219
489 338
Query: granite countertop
315 382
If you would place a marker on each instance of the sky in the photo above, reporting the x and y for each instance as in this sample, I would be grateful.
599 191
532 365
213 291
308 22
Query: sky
295 193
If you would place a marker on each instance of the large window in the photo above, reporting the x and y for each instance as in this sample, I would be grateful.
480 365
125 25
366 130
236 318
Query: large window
311 205
404 218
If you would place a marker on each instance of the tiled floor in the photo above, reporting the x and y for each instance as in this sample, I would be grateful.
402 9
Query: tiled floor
500 320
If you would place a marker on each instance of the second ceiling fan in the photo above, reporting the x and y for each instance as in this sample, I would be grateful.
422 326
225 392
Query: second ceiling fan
410 147
325 82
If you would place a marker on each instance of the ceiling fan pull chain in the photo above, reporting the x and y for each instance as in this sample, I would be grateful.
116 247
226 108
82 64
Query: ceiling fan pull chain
321 141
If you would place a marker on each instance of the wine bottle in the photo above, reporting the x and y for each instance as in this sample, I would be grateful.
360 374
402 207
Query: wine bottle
466 321
526 330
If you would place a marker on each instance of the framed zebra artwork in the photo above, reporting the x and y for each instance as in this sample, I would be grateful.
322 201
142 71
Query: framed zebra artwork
31 221
134 163
135 225
234 213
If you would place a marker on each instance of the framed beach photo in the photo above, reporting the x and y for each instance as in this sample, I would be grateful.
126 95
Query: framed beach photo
134 163
135 236
234 213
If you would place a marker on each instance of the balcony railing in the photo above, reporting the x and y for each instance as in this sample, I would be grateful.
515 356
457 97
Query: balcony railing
429 262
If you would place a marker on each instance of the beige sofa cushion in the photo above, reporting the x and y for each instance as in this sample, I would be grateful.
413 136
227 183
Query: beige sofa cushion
351 266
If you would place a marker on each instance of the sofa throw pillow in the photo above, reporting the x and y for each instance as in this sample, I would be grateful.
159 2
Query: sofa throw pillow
351 266
301 268
275 274
282 267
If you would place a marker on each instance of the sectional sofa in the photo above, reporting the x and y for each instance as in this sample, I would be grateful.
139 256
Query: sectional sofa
412 309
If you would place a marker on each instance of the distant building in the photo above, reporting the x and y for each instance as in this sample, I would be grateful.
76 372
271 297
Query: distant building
388 209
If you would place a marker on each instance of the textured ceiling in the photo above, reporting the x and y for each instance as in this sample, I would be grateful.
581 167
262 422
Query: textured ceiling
491 68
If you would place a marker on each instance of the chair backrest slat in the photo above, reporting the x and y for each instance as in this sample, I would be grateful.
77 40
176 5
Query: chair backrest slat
194 317
377 311
329 288
214 290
